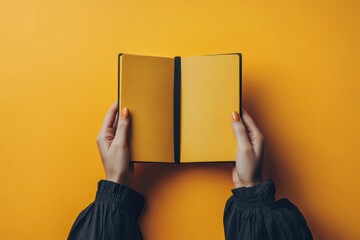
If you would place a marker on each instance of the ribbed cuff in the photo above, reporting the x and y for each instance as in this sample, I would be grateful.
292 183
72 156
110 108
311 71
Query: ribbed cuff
122 196
258 196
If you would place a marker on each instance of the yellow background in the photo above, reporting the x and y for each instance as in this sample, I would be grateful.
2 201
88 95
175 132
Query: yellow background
58 77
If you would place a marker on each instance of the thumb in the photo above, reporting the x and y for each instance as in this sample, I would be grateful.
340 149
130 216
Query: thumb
122 127
240 132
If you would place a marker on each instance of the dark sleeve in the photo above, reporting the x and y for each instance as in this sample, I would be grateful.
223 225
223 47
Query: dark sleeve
113 214
252 213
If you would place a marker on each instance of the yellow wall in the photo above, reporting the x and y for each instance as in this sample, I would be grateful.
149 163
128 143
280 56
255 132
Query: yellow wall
58 77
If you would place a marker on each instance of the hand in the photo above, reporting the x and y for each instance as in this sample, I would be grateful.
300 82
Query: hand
113 147
250 147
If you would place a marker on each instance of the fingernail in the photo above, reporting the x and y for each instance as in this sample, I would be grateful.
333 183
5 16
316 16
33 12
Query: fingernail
235 116
125 113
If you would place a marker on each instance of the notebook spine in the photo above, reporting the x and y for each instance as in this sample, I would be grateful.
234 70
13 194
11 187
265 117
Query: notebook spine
177 85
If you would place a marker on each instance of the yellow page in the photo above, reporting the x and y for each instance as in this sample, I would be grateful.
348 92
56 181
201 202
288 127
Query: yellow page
209 93
147 89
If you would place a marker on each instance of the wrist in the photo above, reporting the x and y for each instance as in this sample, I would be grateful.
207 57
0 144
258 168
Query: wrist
251 183
117 179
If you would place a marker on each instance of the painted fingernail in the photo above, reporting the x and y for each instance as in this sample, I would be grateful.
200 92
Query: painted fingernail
235 116
125 113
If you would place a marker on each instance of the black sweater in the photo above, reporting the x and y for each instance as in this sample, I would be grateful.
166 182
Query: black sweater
250 213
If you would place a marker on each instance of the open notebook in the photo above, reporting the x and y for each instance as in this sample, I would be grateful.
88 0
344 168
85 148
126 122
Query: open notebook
180 107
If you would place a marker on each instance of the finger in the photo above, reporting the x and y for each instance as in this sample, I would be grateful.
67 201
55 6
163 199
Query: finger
103 144
255 136
110 117
122 127
240 132
116 120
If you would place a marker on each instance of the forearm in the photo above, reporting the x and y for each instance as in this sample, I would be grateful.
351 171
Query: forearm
113 214
253 213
